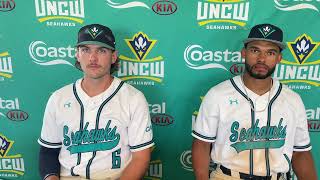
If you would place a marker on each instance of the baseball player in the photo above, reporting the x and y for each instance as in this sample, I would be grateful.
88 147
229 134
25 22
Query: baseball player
256 126
98 127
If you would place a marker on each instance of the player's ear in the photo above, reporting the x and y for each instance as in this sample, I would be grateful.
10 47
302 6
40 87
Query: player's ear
279 58
243 52
114 56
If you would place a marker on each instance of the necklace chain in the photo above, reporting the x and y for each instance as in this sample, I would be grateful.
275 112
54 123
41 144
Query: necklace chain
248 99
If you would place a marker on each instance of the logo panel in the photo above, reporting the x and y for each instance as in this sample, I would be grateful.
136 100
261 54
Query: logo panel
140 70
302 71
60 13
11 166
223 14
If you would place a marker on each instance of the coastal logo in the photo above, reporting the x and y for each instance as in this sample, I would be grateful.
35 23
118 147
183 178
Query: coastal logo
60 13
161 7
11 166
313 116
45 55
198 58
159 116
186 160
223 14
255 136
7 5
294 5
303 71
140 70
5 66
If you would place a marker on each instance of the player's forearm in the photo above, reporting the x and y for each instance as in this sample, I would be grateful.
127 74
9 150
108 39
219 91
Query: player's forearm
138 166
303 165
201 159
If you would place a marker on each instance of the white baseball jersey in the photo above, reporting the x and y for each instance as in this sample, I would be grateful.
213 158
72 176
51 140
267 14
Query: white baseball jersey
259 142
96 134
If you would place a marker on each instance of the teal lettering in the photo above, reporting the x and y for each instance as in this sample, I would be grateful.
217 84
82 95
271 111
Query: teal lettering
66 140
85 133
234 136
242 134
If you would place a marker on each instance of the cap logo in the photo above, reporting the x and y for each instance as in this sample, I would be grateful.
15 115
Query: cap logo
94 32
266 31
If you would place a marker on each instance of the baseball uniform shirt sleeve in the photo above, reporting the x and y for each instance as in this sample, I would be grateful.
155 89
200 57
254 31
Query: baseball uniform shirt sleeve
205 126
140 128
49 134
302 139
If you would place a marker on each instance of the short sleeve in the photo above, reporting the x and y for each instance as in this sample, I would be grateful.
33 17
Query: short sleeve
50 131
302 138
206 124
140 127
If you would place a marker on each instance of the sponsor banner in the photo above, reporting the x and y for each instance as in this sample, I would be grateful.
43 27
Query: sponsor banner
161 7
60 13
44 54
141 69
223 14
11 166
6 70
302 70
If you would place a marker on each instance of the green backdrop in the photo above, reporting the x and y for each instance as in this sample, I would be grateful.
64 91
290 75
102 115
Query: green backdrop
189 46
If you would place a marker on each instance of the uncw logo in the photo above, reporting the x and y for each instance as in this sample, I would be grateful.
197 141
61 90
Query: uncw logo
94 140
304 67
223 14
257 137
11 166
60 13
140 67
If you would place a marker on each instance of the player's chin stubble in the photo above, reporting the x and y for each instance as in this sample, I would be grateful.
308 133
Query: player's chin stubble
258 76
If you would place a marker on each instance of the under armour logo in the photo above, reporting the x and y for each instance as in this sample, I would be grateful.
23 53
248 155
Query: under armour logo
67 105
235 101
